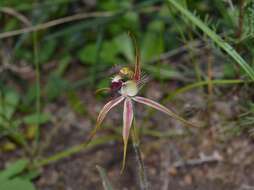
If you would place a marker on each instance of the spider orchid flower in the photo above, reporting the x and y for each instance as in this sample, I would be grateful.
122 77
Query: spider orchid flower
127 84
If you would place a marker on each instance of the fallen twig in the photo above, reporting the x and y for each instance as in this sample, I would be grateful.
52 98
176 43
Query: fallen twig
215 157
16 14
55 23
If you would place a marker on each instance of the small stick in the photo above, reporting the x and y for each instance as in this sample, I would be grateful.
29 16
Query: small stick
14 13
203 159
54 23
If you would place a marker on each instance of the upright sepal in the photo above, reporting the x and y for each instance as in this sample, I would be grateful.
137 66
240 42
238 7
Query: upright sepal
137 71
161 108
127 122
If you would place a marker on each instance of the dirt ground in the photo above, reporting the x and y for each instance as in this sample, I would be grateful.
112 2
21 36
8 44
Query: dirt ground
179 162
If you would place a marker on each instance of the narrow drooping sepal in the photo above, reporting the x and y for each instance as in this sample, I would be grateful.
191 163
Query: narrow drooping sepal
107 108
102 115
127 122
161 108
104 112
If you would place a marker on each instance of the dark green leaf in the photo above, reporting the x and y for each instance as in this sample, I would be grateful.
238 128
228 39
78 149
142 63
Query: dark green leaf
17 184
153 44
13 169
34 119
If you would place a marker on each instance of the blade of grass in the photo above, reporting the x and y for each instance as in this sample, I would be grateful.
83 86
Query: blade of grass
203 83
75 149
105 181
216 38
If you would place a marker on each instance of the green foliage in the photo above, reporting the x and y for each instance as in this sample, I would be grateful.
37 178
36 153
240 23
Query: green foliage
8 104
8 125
107 55
246 120
13 170
87 54
37 119
216 38
46 51
17 184
11 178
76 57
55 86
76 104
153 45
124 45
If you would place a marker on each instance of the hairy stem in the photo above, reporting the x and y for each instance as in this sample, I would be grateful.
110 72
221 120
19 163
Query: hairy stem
141 167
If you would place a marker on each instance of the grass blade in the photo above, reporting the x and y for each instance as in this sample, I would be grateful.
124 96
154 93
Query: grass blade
13 169
216 38
105 181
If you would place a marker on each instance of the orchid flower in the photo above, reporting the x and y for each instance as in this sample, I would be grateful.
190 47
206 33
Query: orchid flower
127 85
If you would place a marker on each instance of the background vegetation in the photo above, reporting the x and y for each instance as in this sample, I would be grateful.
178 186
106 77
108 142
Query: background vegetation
55 54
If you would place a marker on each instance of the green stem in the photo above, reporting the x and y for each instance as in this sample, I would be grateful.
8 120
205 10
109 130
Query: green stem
203 83
37 80
75 149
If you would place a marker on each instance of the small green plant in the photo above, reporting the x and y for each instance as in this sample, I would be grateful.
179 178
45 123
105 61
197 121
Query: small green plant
14 177
9 125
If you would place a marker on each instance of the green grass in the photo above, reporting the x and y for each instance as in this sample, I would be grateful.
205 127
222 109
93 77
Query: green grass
214 37
65 62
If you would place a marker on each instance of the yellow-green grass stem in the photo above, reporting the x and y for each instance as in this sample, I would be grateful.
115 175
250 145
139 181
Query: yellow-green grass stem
204 83
76 149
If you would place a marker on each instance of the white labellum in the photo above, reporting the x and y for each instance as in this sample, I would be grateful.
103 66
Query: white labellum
129 88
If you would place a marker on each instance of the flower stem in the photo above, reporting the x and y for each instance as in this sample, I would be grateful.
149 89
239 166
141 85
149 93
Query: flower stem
141 167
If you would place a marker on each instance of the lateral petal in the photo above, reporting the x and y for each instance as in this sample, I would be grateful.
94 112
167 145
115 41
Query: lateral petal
107 108
103 114
161 108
